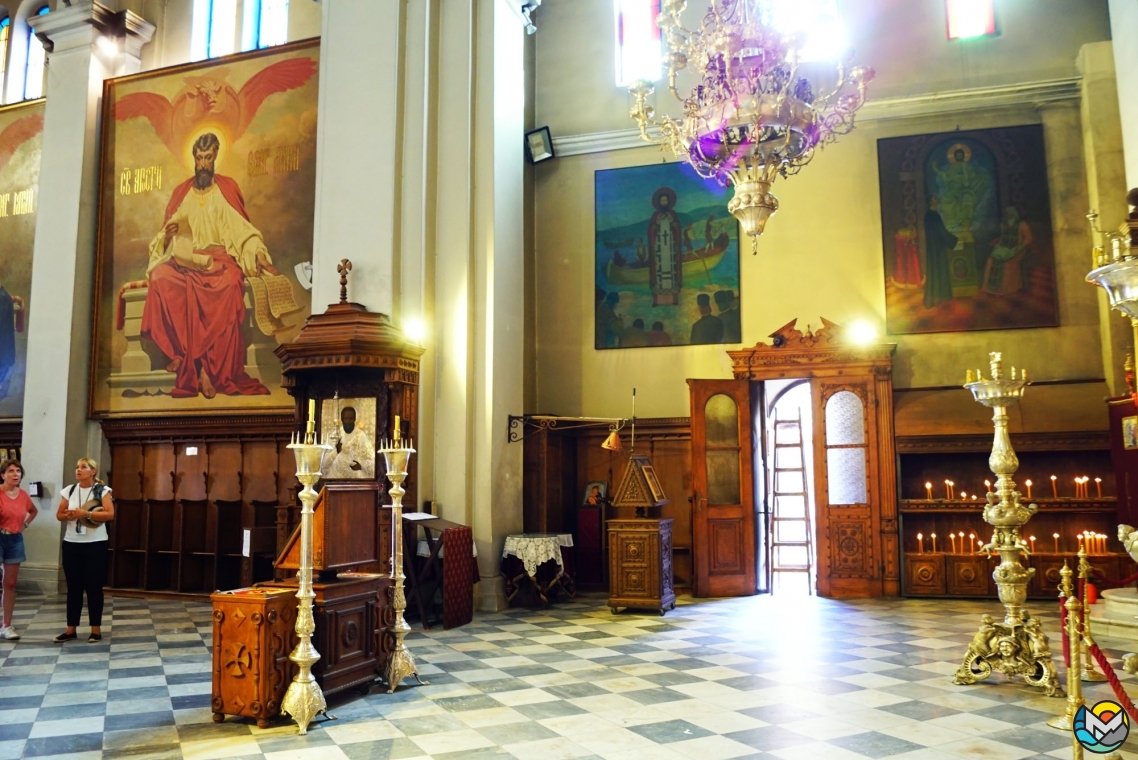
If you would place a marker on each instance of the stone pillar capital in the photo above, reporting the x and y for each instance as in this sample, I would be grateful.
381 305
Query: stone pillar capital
80 25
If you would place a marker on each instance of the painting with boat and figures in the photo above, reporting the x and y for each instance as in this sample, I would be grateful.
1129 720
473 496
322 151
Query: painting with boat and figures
667 259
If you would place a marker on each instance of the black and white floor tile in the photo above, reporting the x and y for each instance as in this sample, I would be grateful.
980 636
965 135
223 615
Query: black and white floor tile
783 677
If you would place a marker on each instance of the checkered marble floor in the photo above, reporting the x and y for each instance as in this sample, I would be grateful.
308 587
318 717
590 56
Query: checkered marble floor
762 677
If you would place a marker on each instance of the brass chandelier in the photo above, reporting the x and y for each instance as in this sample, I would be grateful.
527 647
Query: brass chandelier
752 116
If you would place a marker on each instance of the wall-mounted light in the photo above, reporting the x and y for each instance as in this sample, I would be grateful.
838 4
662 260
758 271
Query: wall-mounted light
415 329
522 425
527 10
861 332
539 145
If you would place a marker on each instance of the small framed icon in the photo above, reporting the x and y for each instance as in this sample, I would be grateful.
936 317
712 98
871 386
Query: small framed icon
1130 432
539 145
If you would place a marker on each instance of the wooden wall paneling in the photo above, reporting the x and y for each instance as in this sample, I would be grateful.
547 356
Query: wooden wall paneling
260 463
158 472
924 574
671 459
889 523
128 557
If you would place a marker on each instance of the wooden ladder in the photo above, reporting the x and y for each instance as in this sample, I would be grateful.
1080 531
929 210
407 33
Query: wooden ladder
790 517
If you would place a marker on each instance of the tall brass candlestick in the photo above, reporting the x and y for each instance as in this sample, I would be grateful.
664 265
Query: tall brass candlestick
1074 668
401 663
1016 647
304 699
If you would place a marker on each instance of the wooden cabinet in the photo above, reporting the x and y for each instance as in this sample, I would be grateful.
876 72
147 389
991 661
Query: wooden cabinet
254 633
349 614
252 638
640 564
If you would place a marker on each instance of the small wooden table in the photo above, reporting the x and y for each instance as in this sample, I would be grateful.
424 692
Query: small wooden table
540 558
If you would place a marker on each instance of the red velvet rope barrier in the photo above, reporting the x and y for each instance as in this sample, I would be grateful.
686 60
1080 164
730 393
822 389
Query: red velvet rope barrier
1063 628
1102 582
1119 692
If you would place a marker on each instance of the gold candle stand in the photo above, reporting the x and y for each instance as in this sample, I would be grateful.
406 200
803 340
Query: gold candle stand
1090 675
304 699
400 663
1018 646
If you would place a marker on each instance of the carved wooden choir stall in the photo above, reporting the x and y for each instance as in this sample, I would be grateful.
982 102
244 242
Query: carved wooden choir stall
362 374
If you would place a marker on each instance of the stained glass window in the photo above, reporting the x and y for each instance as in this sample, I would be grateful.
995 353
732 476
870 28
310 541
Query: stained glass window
637 41
265 24
214 29
970 18
5 29
816 21
37 57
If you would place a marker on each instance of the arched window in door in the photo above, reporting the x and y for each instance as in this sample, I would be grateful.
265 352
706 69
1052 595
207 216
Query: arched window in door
846 449
721 416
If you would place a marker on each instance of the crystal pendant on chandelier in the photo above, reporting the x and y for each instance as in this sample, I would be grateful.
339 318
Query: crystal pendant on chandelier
752 117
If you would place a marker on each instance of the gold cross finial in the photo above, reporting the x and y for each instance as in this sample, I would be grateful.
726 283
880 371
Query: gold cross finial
344 267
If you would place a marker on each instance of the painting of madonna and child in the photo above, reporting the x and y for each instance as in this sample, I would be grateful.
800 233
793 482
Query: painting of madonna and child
205 238
667 259
966 226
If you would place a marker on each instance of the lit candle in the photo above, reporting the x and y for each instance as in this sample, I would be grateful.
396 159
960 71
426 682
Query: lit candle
948 489
1077 489
929 491
1054 486
1098 487
1028 484
974 497
1102 543
1032 539
920 544
960 535
963 494
933 536
972 540
952 540
1080 537
1056 537
988 485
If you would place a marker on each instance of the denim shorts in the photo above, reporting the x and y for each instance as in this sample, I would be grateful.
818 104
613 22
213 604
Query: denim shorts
12 549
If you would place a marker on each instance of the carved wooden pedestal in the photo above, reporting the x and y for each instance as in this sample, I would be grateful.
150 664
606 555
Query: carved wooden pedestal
252 637
640 564
349 620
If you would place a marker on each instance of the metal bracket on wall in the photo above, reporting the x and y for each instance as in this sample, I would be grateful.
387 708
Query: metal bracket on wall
522 425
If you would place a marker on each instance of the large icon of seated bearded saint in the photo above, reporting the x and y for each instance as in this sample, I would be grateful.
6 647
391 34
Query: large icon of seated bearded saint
199 260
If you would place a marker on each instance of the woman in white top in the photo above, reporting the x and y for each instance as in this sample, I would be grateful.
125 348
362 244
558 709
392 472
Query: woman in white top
85 552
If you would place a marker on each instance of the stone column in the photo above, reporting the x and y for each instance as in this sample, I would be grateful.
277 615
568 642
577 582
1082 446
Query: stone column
356 148
1106 189
479 264
1123 22
56 429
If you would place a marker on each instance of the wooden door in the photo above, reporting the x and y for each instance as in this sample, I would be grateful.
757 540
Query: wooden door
723 508
846 488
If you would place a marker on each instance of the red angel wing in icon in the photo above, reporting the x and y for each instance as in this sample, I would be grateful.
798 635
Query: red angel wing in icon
16 134
210 99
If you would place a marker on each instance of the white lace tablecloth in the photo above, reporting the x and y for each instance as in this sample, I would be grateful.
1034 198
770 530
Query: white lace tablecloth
535 548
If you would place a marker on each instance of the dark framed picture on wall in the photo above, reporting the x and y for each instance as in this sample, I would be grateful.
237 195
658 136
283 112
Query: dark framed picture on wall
966 231
667 259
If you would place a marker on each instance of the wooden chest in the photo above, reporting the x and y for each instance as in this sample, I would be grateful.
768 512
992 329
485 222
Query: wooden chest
252 638
640 564
349 616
